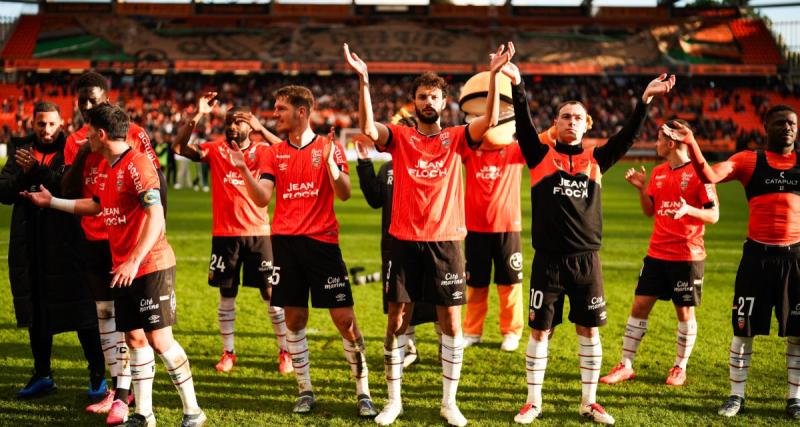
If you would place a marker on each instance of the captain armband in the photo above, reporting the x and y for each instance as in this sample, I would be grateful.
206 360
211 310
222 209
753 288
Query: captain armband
149 198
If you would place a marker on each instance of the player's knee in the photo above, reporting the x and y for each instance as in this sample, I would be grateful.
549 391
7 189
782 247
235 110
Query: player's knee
105 309
345 321
136 339
541 334
161 339
586 331
228 292
266 293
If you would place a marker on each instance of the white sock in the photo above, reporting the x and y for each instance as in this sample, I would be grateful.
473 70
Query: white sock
438 329
143 369
109 336
356 355
180 373
226 314
634 333
740 353
793 366
278 318
452 359
591 358
411 337
687 335
535 366
123 357
393 366
298 348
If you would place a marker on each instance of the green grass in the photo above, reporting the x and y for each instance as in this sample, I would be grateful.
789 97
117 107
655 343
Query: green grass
492 384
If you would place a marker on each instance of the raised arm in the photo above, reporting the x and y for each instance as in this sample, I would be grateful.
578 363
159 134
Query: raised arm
720 172
340 180
181 143
638 179
478 127
532 148
268 136
376 132
621 142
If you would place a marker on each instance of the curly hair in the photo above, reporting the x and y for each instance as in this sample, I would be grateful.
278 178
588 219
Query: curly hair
429 79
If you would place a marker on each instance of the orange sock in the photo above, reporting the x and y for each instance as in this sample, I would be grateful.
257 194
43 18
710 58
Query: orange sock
476 310
510 309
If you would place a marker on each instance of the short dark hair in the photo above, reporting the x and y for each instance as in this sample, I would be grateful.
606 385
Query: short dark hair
429 79
297 96
238 109
111 118
777 109
45 107
571 102
91 79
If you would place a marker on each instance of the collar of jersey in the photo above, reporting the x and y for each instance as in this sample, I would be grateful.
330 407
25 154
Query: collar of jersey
125 153
569 149
680 165
428 136
304 146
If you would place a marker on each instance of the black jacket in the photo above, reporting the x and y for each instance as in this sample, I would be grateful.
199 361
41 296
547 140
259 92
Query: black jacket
45 250
378 192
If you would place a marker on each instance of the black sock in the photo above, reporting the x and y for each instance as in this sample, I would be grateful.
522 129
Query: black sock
114 383
95 378
121 394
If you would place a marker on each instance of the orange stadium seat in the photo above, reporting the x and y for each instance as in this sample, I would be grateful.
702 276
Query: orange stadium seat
22 42
758 45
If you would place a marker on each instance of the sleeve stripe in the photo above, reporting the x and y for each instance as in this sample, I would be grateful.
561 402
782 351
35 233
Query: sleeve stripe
268 176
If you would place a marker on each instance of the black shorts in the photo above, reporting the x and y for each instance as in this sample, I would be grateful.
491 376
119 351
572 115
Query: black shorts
768 277
304 265
148 303
231 255
680 281
579 276
502 249
423 312
430 272
98 269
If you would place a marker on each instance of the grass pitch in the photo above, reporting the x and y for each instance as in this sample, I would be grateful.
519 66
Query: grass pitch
493 385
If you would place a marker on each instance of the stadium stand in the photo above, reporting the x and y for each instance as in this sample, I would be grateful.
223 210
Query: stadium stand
160 57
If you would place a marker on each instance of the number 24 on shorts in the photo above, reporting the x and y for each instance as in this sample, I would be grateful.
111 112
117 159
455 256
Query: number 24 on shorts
217 263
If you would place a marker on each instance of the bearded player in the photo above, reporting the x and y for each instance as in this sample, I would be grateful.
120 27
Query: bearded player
143 264
426 263
240 242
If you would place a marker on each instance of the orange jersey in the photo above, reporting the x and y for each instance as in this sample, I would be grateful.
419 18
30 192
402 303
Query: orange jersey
235 213
493 179
428 194
303 191
677 239
772 185
94 173
123 215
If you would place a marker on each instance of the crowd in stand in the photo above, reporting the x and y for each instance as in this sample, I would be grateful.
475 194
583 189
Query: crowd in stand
157 101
